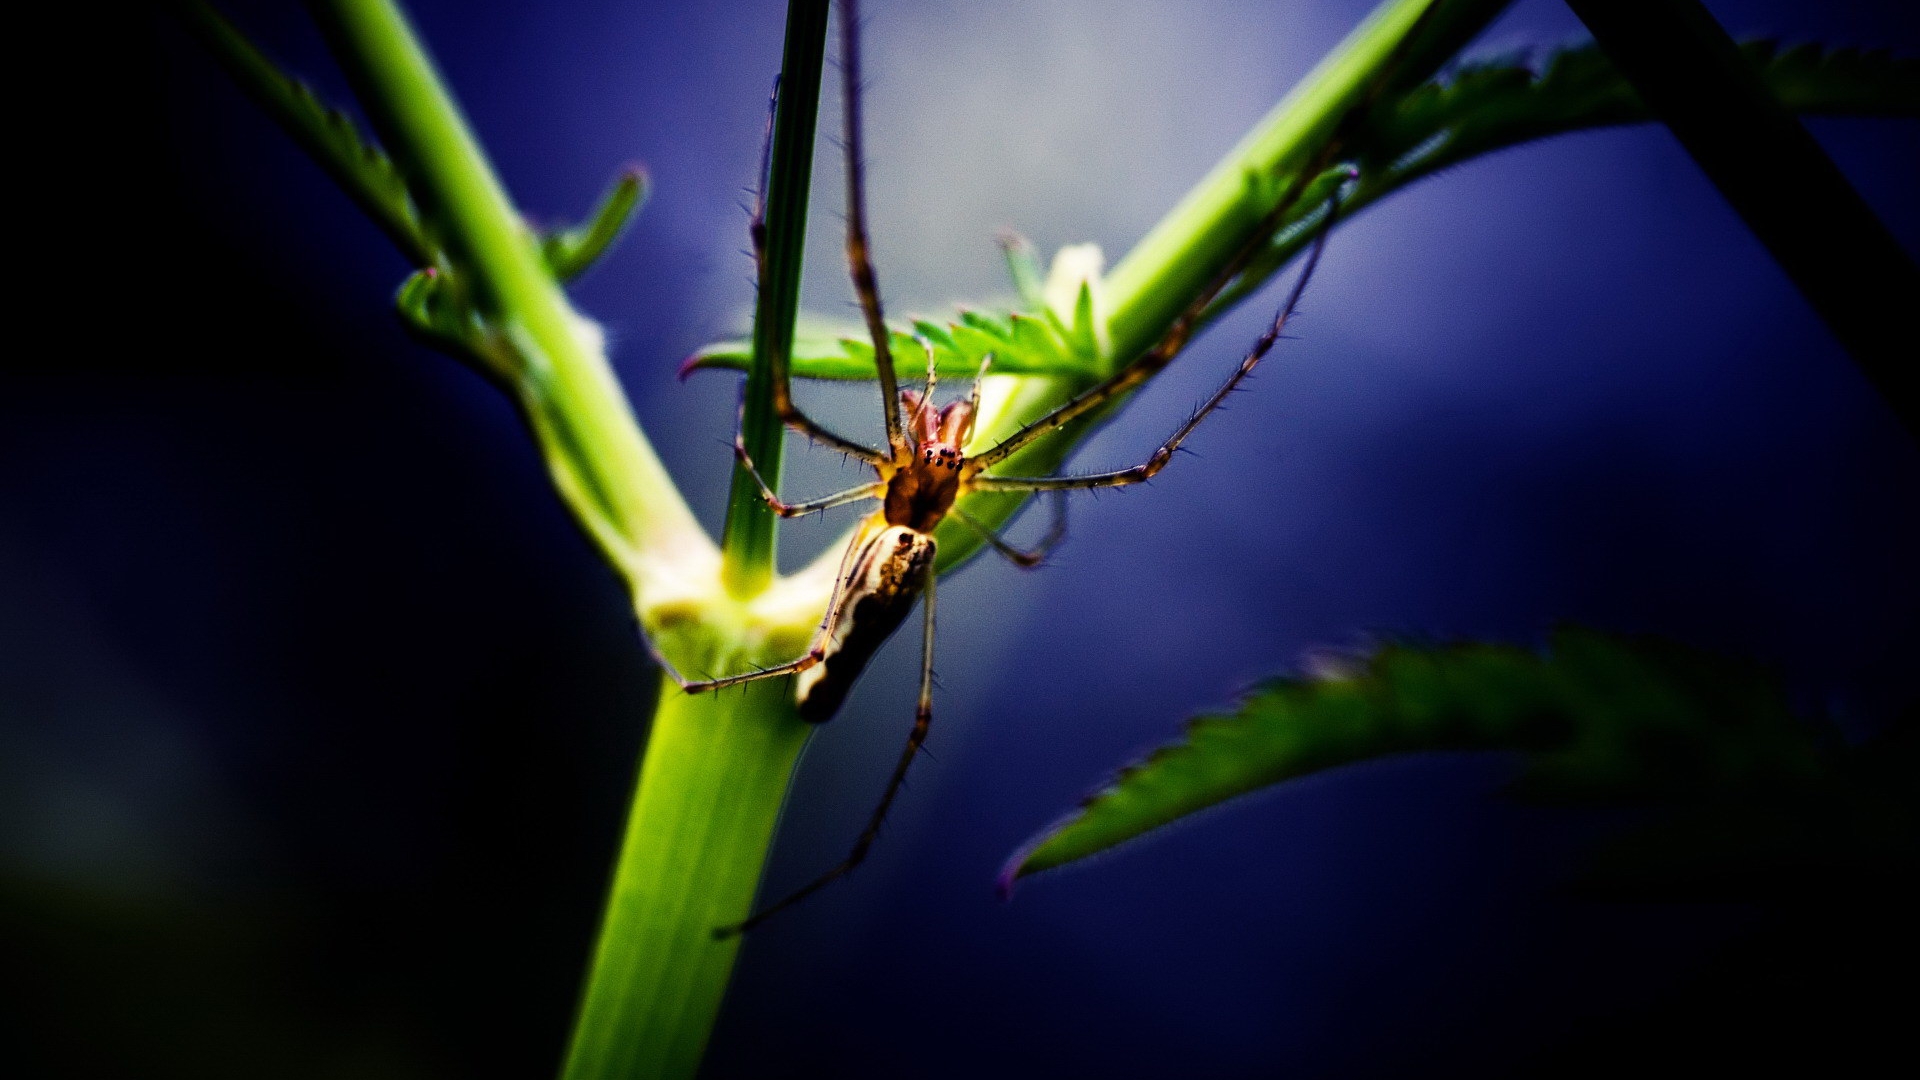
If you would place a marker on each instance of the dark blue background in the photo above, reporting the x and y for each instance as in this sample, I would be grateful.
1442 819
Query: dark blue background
320 715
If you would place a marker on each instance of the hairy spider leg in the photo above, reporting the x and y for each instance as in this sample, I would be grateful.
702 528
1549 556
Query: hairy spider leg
933 380
922 721
1127 378
812 506
1153 360
973 393
1029 558
866 285
816 651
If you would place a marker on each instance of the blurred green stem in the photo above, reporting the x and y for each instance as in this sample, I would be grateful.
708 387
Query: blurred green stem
600 461
1773 173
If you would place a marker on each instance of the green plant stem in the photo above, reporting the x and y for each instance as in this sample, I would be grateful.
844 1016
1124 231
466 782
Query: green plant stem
326 135
715 774
1187 251
600 460
749 538
1773 173
1214 222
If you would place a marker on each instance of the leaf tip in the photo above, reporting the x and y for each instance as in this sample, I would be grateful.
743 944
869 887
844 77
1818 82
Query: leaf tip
1018 864
1010 873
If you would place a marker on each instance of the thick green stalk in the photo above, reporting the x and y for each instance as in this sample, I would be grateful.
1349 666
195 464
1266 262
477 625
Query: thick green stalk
714 777
1214 222
749 538
600 460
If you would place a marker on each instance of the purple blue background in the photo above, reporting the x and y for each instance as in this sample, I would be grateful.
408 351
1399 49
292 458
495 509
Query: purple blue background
320 715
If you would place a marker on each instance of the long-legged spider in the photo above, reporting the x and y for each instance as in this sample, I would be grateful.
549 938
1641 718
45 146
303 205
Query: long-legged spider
922 471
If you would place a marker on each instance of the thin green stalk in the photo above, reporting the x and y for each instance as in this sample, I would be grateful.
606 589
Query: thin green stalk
749 537
600 459
714 777
1773 173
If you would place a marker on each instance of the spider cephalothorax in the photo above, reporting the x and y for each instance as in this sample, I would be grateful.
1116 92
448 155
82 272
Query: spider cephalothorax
924 485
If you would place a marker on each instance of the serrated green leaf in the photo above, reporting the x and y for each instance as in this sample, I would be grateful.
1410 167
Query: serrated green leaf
935 333
1035 338
1597 716
984 323
1021 345
327 134
1484 106
569 252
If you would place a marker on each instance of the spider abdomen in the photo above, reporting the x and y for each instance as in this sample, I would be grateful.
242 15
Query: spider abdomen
883 579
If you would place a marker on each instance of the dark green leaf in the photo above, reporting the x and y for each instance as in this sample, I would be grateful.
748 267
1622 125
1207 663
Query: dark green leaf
1597 716
327 134
1487 105
1484 106
1852 834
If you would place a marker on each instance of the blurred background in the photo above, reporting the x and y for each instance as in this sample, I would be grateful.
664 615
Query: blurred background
318 716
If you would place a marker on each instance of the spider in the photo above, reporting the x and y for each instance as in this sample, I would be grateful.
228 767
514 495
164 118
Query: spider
919 475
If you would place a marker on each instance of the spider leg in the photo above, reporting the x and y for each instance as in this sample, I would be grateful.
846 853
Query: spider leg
791 415
812 506
922 720
816 651
1164 454
973 394
866 285
1153 360
933 378
1027 559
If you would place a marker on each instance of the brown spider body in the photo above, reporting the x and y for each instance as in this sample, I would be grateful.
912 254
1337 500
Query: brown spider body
928 479
891 560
